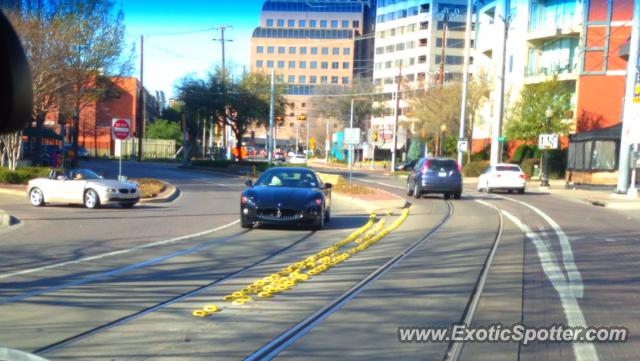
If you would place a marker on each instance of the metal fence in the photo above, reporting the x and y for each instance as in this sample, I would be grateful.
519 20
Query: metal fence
151 148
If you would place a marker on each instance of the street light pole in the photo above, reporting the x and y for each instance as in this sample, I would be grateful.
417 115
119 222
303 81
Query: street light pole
465 77
270 149
545 178
351 145
443 131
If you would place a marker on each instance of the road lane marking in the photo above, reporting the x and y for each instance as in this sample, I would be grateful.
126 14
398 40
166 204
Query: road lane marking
119 252
575 279
570 305
381 183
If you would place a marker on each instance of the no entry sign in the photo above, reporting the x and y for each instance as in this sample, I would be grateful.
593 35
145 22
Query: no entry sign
121 128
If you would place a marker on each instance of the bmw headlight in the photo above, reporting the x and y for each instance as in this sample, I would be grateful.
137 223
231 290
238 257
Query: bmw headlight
112 190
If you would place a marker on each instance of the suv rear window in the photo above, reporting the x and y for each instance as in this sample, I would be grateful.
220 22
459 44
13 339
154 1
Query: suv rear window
437 164
508 168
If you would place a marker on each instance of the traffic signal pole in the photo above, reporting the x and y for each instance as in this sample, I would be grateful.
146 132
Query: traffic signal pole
271 116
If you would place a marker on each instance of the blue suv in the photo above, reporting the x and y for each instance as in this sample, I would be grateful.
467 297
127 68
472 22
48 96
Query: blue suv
435 175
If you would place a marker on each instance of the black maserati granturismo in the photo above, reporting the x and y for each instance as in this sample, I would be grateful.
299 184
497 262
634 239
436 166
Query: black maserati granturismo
286 196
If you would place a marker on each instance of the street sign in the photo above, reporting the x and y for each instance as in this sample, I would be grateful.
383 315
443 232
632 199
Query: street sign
502 139
352 136
636 94
121 128
463 145
548 141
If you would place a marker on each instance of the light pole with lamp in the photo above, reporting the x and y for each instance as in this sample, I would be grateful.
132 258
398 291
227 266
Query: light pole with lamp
545 178
443 131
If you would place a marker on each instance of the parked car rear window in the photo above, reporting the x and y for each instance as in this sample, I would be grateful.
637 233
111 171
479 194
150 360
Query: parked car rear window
508 168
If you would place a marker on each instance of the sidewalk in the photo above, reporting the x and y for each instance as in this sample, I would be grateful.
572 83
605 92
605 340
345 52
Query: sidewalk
602 197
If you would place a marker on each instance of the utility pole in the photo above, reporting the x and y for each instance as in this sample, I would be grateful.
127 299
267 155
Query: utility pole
496 130
445 25
351 145
272 101
224 75
142 106
306 156
396 114
327 142
465 77
630 108
222 41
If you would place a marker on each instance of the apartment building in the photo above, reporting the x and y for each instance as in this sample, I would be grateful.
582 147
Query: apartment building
409 42
310 44
543 40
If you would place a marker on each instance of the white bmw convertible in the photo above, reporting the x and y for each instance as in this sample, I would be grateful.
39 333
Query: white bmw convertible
81 186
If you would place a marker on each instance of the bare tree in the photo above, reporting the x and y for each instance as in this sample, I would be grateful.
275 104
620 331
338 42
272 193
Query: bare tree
10 147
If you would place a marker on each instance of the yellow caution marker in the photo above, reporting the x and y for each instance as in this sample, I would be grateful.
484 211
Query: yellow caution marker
199 313
211 309
239 302
264 294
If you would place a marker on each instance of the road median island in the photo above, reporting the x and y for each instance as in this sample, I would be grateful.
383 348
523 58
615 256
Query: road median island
156 191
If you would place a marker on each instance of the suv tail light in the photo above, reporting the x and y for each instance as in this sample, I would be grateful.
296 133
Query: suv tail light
523 176
425 166
459 167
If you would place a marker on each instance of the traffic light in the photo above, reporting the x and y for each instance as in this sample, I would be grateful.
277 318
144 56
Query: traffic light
302 117
312 143
375 135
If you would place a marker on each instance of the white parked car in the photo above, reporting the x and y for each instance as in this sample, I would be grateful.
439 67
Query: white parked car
297 159
82 186
503 176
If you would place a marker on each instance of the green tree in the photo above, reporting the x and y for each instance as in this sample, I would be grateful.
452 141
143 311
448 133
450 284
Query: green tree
527 118
416 149
163 129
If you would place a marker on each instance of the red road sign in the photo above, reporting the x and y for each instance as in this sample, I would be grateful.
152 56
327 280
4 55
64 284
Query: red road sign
121 128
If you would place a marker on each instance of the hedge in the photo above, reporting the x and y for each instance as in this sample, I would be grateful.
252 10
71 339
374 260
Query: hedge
22 175
474 168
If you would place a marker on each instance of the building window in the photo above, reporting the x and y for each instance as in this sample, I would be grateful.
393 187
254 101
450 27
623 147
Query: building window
313 65
336 51
423 42
259 63
389 49
334 80
324 79
303 50
323 23
356 24
292 124
281 64
281 50
303 105
314 51
380 50
280 78
270 49
313 79
345 80
345 24
291 79
424 8
324 65
412 61
280 23
302 65
411 28
269 23
292 50
424 25
291 23
312 23
346 51
345 65
388 80
325 51
423 59
302 79
400 47
335 65
302 23
292 64
387 64
334 23
411 44
269 63
260 49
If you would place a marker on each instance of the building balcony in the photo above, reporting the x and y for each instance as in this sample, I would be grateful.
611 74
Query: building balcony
546 34
534 75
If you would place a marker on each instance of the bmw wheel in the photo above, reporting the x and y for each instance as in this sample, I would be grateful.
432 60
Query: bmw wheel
36 197
91 199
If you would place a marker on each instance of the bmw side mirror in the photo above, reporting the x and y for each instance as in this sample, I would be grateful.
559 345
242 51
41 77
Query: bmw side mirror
328 185
248 183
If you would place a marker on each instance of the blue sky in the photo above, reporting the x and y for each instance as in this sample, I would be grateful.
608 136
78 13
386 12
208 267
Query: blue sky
169 58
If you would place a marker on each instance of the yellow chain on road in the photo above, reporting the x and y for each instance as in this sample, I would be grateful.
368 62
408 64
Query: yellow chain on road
301 271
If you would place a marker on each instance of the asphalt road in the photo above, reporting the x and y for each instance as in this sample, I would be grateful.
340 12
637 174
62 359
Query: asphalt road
555 262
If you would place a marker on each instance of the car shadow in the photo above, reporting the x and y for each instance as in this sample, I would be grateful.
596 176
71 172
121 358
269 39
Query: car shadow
336 223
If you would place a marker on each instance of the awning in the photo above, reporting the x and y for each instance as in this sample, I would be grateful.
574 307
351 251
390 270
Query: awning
610 133
45 132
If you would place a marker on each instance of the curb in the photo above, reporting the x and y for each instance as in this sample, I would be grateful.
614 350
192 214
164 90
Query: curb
624 206
13 192
8 223
172 192
370 205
